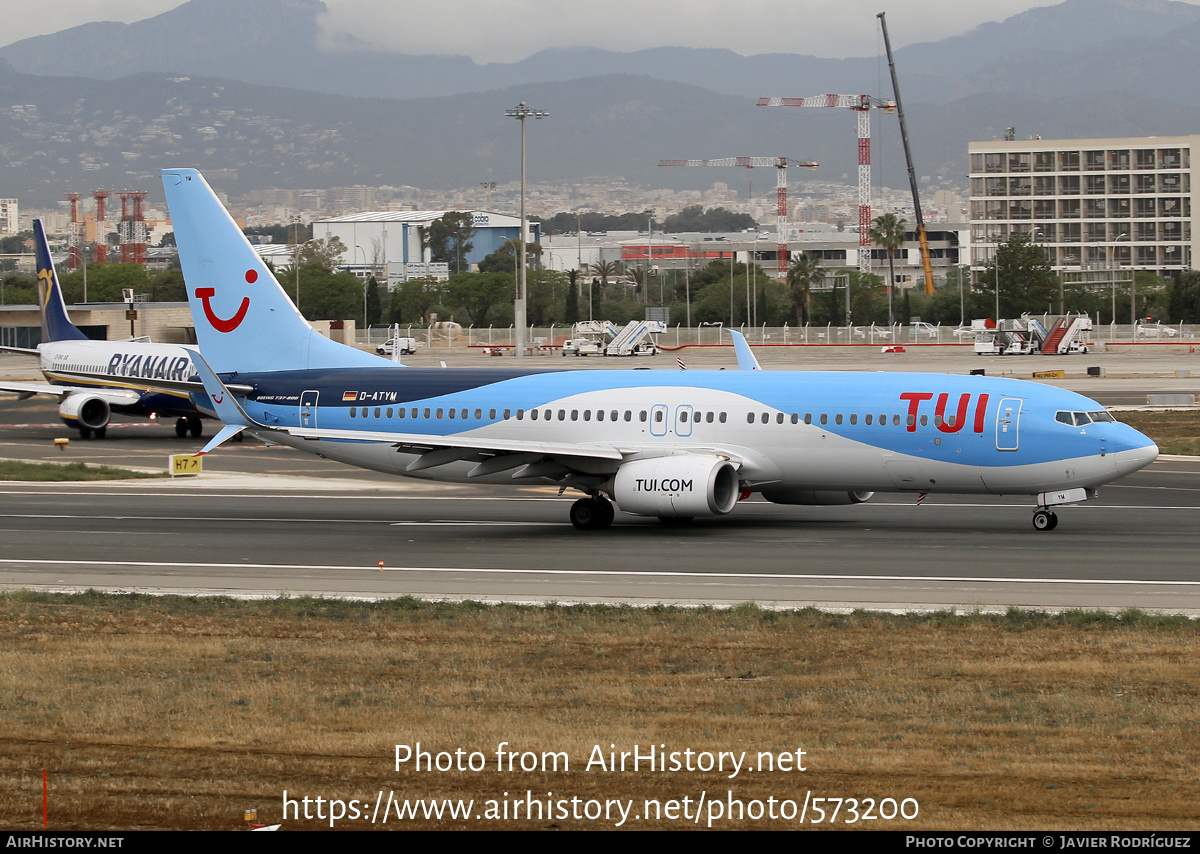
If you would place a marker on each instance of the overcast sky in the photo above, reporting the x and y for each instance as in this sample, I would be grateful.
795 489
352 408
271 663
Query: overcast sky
509 30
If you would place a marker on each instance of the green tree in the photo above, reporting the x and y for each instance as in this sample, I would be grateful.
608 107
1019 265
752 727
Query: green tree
504 259
694 218
1026 282
1184 306
326 295
322 253
374 303
478 294
605 269
413 300
449 238
804 272
571 308
887 232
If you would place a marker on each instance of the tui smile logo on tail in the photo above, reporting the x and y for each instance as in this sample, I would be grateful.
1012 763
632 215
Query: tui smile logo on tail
219 324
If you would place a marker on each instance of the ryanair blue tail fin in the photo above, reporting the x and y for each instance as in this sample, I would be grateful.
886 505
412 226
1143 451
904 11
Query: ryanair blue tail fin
56 326
244 319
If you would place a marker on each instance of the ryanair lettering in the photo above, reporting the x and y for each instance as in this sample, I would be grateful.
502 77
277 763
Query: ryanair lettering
150 367
667 484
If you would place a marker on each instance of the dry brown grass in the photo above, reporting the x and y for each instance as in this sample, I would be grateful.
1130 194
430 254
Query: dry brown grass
182 713
1173 432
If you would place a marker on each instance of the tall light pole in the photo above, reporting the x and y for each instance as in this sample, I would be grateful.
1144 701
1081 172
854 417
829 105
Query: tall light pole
1112 272
522 112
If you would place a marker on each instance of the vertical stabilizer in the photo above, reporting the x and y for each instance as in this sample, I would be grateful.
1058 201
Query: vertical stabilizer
244 320
56 326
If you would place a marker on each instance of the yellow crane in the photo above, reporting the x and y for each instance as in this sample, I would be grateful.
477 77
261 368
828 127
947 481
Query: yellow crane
912 175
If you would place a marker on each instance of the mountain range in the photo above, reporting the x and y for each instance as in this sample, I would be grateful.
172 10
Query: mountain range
251 95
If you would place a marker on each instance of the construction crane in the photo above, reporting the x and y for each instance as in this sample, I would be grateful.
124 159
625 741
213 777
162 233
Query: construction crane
781 165
922 237
862 104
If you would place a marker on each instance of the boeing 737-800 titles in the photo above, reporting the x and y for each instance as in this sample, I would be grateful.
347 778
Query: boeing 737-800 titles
668 443
93 379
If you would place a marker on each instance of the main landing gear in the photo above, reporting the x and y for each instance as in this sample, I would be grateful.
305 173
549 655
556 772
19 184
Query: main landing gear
1044 519
592 513
191 424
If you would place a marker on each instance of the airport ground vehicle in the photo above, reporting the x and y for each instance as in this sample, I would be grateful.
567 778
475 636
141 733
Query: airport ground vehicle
407 346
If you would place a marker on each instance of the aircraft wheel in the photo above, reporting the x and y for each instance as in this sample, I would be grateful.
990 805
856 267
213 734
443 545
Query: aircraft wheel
101 432
85 432
181 427
195 426
591 514
1044 520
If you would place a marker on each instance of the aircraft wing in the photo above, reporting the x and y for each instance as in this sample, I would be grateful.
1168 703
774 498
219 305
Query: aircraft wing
115 396
28 351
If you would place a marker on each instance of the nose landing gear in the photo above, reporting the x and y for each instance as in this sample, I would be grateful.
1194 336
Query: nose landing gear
1044 519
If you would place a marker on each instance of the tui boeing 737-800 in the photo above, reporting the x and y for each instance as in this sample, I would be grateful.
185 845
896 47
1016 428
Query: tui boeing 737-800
673 444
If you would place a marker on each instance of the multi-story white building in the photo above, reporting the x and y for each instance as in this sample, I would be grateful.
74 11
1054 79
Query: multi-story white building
8 216
1095 205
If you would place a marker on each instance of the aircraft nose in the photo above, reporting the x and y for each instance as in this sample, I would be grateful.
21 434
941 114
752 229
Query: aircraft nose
1138 457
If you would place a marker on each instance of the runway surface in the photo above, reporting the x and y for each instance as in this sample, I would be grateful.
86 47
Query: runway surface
268 521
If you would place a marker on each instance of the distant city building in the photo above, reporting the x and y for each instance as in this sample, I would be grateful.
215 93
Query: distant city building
8 216
1094 205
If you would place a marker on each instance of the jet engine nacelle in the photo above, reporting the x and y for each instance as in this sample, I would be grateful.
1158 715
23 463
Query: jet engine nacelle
85 410
681 486
814 497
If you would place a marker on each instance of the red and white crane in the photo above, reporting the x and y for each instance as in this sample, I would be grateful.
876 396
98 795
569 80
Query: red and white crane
781 165
863 104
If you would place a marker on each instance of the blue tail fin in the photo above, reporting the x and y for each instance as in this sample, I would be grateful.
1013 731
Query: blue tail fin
244 319
56 326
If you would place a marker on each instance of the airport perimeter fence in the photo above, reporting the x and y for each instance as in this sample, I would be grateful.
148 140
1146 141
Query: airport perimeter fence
451 335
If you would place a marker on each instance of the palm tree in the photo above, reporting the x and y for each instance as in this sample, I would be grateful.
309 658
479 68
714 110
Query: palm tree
604 269
641 279
887 232
804 272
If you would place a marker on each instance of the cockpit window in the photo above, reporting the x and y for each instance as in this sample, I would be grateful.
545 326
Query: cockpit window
1082 419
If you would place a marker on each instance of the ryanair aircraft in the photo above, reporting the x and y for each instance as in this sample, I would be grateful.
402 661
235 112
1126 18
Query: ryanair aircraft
672 443
93 379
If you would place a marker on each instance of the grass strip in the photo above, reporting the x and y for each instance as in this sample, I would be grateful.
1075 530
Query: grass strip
54 472
182 712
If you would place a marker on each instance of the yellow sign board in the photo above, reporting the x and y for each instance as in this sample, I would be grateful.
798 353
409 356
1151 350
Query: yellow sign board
182 465
1049 375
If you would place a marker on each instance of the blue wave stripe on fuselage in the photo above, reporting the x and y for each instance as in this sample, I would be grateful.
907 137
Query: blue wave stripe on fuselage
1041 438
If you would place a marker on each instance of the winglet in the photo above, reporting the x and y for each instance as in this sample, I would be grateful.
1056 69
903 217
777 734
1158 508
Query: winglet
745 358
227 409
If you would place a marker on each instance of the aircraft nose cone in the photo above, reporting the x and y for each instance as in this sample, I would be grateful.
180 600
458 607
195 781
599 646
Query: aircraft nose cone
1134 459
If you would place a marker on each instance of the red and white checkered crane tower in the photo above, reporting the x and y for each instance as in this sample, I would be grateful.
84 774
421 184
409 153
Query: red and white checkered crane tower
862 104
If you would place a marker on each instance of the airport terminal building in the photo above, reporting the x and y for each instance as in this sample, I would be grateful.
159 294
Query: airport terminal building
1095 205
387 244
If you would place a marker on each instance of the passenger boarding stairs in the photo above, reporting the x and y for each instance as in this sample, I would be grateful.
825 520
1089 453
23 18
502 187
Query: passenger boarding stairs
595 327
627 341
1066 333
